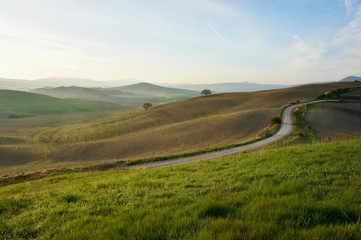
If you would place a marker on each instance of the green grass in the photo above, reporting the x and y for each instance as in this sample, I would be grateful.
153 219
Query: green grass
302 192
159 91
17 104
131 96
302 128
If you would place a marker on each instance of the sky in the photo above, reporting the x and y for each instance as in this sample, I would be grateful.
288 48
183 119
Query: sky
181 41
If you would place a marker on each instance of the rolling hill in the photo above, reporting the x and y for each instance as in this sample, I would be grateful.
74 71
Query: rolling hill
131 96
177 128
18 104
149 89
198 123
116 96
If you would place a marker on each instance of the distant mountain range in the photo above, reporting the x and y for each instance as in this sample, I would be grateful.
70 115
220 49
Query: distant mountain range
22 84
231 87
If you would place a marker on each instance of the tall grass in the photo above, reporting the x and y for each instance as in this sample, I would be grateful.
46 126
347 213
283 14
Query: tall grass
302 192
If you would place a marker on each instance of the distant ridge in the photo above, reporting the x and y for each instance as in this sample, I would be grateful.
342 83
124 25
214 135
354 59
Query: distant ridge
23 84
152 89
231 87
128 96
53 82
351 79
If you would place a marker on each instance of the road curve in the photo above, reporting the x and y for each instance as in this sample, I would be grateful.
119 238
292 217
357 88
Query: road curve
285 129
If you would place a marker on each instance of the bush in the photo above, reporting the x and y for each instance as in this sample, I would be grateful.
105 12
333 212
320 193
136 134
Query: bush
276 120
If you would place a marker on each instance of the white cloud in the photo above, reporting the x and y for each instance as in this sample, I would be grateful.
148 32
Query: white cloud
303 54
348 6
345 48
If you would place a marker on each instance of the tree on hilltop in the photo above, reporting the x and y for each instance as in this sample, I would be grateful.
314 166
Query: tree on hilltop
206 92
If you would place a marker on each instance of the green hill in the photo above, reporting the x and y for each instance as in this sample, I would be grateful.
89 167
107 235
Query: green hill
17 104
303 192
130 96
155 90
116 96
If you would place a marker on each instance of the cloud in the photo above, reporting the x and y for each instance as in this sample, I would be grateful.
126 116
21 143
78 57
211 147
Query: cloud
349 7
346 47
218 34
307 53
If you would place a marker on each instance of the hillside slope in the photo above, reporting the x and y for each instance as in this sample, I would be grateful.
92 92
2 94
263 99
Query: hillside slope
14 104
155 90
303 192
130 96
334 121
180 127
116 96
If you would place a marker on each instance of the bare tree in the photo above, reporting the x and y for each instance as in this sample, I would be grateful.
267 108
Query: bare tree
147 105
206 92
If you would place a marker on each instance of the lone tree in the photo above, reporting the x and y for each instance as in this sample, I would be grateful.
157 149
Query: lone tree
206 92
147 105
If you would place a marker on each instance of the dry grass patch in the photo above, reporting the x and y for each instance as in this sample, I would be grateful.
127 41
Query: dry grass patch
205 132
335 121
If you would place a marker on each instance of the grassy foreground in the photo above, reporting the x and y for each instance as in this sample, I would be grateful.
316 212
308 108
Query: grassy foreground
301 192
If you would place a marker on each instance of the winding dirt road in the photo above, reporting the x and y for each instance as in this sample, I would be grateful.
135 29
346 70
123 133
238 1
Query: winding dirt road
285 129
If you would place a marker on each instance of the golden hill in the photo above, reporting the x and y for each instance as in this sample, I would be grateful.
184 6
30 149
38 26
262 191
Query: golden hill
195 124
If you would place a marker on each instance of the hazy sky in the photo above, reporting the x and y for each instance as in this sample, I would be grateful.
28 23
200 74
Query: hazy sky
179 41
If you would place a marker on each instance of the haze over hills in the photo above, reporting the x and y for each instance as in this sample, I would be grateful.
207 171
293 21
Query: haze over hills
23 84
155 90
231 87
130 96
